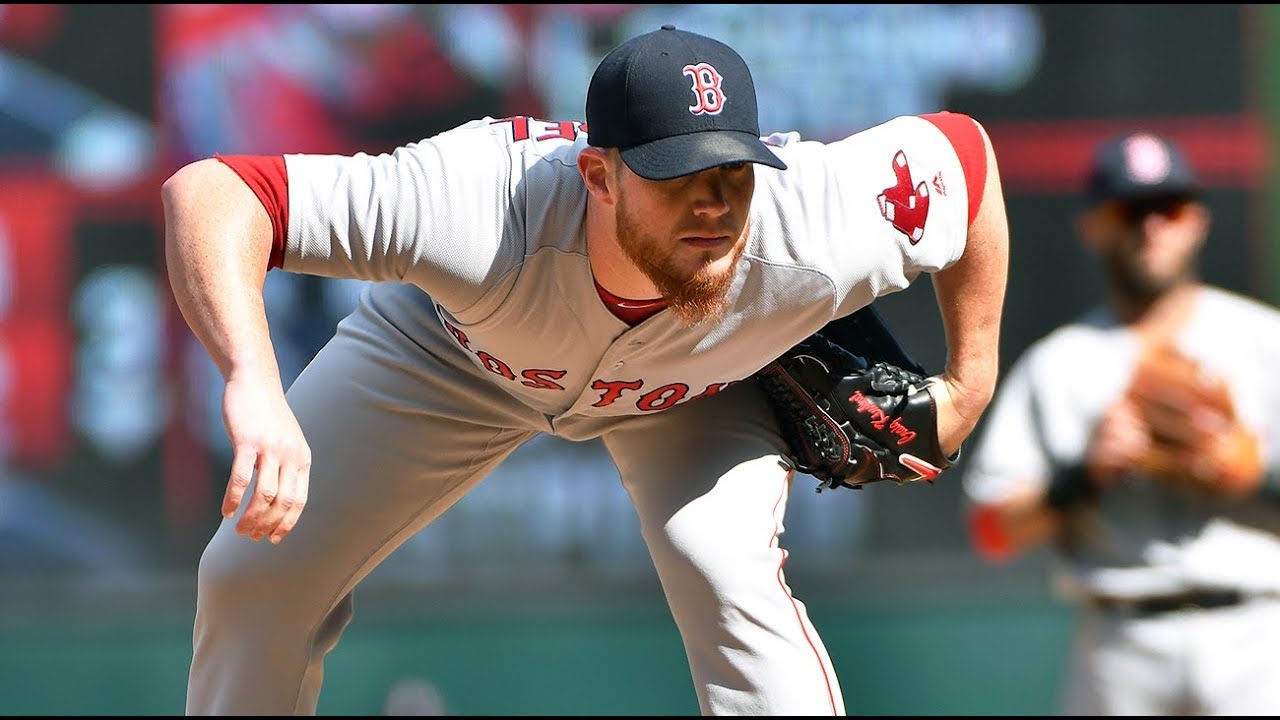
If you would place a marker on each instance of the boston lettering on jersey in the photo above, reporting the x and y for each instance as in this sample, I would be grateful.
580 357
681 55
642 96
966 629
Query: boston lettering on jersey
611 390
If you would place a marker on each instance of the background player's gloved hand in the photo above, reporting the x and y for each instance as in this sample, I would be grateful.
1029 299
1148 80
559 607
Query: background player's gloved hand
265 436
851 419
1120 443
1194 432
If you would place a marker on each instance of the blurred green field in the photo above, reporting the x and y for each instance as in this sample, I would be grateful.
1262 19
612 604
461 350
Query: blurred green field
917 658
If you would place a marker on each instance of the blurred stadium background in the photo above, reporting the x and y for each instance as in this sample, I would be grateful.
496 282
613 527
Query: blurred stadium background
535 594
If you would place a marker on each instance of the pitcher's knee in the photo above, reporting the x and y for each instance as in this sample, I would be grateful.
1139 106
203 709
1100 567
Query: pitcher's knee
236 575
725 560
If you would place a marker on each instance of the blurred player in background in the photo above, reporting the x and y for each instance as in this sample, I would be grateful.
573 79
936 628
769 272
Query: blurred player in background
1143 442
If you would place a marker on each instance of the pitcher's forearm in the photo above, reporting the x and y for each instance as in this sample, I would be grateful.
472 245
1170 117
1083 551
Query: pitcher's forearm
971 294
971 314
217 246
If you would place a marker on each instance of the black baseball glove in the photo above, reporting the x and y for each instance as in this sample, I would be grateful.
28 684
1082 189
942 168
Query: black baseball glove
854 408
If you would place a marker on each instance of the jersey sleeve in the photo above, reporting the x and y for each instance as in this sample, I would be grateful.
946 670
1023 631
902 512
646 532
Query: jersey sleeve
897 200
1010 453
435 213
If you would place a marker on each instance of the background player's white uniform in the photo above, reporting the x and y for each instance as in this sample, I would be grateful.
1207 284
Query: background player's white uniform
1147 539
491 331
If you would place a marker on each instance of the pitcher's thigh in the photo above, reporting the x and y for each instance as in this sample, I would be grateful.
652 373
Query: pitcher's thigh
703 460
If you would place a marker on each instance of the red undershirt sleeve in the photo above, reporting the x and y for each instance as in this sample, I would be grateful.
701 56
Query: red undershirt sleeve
970 148
267 177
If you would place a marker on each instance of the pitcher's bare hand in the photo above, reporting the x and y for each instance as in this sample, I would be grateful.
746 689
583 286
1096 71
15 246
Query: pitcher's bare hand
266 438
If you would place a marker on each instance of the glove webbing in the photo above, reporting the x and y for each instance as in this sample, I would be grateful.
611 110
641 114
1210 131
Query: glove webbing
818 431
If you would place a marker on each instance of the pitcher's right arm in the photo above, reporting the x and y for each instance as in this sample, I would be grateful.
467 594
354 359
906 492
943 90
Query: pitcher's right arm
218 248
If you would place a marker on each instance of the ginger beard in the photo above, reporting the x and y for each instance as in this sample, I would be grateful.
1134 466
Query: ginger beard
694 297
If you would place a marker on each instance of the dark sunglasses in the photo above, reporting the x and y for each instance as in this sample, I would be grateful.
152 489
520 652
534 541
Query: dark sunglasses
1172 207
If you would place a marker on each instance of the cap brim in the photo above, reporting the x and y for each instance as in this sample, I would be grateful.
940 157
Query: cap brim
680 155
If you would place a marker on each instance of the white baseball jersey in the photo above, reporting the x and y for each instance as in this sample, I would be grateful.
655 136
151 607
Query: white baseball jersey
1144 538
488 218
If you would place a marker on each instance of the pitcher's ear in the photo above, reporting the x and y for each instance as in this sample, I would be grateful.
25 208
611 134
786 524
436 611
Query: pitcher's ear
596 168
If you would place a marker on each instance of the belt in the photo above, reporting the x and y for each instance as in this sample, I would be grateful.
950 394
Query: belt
1199 599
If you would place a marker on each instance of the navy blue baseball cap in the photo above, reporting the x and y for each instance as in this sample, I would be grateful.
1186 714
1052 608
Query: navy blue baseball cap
1139 165
676 103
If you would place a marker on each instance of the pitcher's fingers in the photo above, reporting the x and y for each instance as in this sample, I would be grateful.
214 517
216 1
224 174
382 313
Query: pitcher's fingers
241 474
293 501
275 512
264 494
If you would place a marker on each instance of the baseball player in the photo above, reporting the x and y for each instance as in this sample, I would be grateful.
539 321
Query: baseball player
1143 442
617 279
